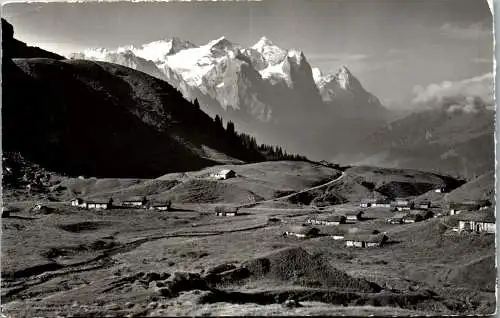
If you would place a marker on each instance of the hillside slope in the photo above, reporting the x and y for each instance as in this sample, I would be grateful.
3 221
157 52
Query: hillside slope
363 182
480 188
455 142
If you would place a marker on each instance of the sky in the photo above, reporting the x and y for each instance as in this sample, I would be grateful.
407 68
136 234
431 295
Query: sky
398 49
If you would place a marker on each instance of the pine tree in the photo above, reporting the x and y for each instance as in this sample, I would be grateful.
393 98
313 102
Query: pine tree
230 128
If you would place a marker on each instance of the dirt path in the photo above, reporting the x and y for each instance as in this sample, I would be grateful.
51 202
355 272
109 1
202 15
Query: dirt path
248 205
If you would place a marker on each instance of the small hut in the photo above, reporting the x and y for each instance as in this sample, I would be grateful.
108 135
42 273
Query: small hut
397 218
226 211
354 216
224 174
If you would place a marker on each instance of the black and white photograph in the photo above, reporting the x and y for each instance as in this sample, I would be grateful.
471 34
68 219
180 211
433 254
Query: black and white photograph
248 158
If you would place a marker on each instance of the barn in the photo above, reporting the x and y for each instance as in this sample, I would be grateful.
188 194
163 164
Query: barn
382 203
477 221
327 220
100 204
365 240
135 202
402 204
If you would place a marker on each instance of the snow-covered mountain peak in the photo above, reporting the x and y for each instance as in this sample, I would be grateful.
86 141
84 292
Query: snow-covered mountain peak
222 45
297 56
158 51
271 53
96 53
227 72
344 78
263 42
220 41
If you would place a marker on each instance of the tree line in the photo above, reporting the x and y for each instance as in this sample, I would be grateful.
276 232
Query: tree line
267 152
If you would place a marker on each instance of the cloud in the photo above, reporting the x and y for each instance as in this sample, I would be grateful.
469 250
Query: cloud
337 57
473 31
468 95
467 104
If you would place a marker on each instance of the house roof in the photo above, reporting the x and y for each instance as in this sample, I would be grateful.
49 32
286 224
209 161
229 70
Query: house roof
486 215
369 238
225 171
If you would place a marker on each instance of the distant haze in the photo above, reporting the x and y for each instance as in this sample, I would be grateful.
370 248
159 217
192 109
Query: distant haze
398 49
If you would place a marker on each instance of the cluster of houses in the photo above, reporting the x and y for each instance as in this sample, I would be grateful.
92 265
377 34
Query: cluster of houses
374 239
349 217
410 217
398 204
330 229
107 204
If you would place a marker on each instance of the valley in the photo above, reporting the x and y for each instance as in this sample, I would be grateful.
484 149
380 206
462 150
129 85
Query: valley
147 262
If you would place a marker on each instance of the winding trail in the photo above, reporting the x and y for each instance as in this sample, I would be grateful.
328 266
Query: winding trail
248 205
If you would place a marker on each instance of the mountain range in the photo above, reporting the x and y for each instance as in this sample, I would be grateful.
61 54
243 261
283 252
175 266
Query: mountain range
269 92
244 79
